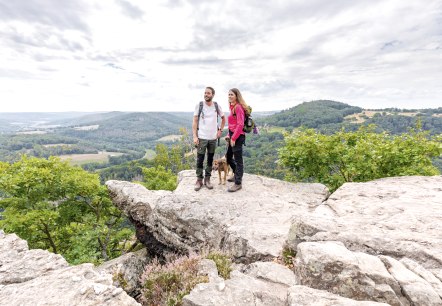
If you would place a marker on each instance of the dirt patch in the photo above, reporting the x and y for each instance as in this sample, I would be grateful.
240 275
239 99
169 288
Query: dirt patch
87 127
170 138
57 145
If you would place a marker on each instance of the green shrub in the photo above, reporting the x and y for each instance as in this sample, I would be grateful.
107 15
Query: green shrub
223 263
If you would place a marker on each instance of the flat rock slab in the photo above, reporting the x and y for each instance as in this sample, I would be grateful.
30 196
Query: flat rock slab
398 217
306 296
251 224
37 277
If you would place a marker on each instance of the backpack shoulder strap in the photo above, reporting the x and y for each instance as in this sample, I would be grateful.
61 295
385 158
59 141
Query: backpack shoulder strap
217 113
200 109
199 114
216 107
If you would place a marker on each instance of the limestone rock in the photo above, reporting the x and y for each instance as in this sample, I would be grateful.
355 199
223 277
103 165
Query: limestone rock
240 289
331 266
126 270
50 281
271 272
306 296
416 289
19 264
262 286
248 227
397 217
208 267
423 273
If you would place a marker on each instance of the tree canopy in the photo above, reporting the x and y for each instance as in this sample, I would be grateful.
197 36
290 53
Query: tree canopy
358 156
61 208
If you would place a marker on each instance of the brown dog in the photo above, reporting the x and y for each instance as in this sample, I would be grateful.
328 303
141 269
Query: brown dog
221 165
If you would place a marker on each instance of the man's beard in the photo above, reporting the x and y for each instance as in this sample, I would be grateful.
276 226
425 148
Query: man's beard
207 99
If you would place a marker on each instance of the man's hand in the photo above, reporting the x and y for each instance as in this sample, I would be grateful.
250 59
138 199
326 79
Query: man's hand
218 134
196 141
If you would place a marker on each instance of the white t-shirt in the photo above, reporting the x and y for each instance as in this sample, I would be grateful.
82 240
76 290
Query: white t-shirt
208 124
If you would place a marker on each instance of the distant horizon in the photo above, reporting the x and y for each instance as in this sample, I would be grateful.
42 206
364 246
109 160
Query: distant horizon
191 109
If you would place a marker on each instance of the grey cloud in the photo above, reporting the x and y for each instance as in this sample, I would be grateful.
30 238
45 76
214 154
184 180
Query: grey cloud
256 19
266 88
390 45
112 65
60 14
115 66
197 60
130 10
197 86
133 54
16 74
44 37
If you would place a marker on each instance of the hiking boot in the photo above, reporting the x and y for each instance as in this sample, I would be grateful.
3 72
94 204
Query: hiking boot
198 184
234 188
231 178
207 182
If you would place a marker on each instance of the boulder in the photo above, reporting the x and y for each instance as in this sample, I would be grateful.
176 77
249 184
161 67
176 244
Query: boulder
306 296
261 284
37 277
271 272
417 290
126 271
19 264
331 266
397 217
240 289
248 227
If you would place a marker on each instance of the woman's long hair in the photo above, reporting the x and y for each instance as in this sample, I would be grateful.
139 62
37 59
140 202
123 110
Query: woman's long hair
240 100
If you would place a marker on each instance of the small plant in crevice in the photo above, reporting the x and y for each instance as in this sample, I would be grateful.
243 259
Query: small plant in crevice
167 284
223 263
288 257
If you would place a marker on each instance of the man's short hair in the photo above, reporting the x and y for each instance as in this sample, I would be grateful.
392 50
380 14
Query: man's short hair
211 88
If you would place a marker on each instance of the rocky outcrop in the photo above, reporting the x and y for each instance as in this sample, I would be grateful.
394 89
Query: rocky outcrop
367 243
398 217
126 271
306 296
37 277
251 225
263 283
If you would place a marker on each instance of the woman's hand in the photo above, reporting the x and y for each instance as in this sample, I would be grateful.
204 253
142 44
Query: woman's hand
232 143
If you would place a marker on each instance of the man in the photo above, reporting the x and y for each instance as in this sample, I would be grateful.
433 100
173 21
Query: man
205 134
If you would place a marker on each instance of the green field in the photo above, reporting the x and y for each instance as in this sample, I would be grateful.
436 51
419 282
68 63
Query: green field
81 159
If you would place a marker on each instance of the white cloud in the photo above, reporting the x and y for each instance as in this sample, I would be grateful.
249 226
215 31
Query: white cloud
137 55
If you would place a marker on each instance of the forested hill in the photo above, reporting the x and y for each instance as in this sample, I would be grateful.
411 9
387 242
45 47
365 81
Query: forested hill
330 116
312 114
129 130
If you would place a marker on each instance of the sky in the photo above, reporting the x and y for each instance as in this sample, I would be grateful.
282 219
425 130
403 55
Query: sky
138 55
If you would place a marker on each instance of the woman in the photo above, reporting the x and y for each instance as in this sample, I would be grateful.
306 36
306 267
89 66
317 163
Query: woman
236 137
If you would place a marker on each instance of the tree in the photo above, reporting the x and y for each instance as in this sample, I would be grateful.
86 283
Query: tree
158 178
358 156
61 208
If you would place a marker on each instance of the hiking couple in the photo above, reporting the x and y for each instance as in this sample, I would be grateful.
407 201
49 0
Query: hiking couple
206 132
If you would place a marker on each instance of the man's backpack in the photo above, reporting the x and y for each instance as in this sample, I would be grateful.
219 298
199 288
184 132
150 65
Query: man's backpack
201 110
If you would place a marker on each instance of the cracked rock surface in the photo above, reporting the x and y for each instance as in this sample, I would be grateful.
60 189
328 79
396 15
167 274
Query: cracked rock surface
37 277
365 244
